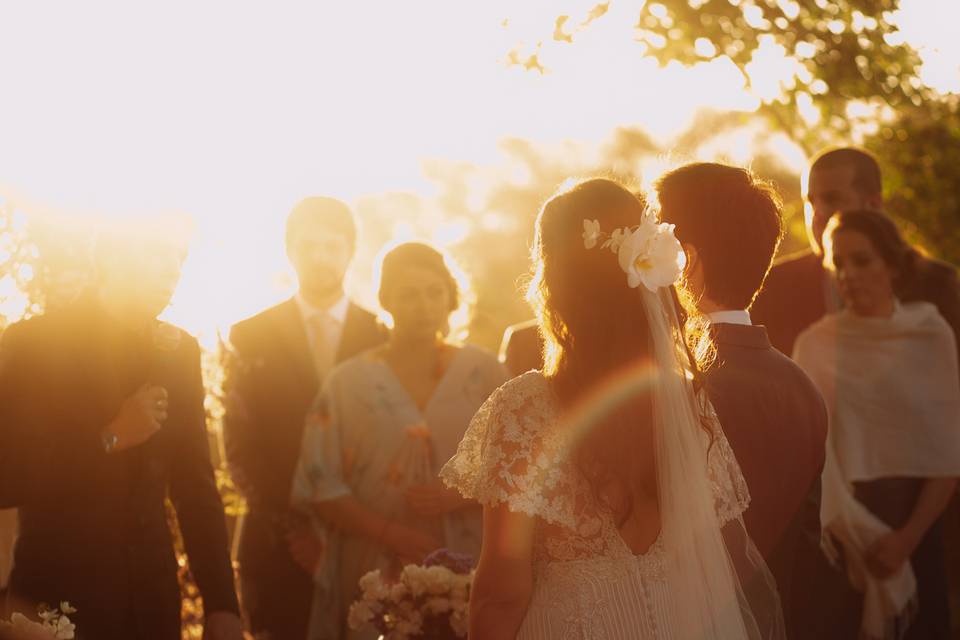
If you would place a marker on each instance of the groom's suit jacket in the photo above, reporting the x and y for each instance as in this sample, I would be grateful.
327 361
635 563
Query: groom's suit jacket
271 383
93 525
776 422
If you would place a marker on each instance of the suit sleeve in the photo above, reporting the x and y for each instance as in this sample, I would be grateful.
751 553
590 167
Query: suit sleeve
43 447
238 423
948 303
193 490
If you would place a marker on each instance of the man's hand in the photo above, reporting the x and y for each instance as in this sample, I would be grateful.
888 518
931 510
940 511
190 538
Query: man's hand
889 553
306 547
141 416
223 625
434 499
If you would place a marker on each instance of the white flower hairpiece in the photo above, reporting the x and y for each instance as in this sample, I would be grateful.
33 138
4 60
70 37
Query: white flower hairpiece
649 253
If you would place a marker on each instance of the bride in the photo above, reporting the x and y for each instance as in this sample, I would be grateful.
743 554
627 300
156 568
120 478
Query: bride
612 500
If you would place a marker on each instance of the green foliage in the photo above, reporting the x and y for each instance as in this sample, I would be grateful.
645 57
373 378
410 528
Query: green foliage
920 156
18 264
831 60
839 51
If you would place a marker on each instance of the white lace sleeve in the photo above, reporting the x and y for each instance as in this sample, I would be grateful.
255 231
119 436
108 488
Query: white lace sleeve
730 493
511 454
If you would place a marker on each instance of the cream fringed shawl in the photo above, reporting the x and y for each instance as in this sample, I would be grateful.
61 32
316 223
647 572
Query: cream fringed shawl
892 390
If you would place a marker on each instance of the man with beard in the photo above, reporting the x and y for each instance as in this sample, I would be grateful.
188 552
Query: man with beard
799 291
278 361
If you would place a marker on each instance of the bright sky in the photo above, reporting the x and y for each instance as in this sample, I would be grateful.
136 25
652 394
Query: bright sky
232 111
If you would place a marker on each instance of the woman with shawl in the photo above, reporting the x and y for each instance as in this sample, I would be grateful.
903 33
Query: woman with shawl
888 373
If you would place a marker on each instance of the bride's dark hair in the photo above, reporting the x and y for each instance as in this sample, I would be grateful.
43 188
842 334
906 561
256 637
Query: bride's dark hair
595 330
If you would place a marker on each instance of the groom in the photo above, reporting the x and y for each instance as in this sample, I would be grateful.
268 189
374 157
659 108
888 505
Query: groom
102 420
729 224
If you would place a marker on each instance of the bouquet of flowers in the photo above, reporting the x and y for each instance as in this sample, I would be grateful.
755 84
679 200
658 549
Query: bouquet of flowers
53 625
427 602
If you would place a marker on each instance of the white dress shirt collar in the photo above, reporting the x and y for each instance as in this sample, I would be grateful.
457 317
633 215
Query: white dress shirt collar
735 316
337 311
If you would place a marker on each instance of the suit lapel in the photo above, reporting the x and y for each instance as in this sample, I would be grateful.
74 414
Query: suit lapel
359 333
99 355
288 325
821 279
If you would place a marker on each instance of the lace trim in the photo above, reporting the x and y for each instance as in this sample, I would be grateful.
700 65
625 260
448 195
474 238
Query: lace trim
730 493
513 454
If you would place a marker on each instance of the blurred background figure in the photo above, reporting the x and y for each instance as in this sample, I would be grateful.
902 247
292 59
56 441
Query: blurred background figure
799 291
888 371
522 348
385 424
101 419
277 363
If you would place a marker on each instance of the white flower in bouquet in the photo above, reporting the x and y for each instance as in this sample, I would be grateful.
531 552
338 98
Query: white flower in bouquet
460 622
22 623
424 601
54 625
438 579
48 615
398 592
373 586
64 629
460 588
361 613
414 576
438 605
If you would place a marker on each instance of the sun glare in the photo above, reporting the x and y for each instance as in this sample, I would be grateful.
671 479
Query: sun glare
354 100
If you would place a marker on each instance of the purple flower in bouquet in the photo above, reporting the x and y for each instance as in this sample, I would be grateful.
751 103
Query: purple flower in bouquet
459 563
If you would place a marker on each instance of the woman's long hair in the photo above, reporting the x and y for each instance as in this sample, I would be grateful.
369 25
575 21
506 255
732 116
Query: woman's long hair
595 329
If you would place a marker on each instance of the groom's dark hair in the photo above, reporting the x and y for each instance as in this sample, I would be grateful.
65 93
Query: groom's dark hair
732 218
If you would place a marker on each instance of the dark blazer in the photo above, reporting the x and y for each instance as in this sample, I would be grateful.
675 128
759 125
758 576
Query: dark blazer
776 422
93 526
271 382
522 348
796 291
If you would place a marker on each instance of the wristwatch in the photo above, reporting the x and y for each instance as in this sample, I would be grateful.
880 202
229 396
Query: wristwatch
109 441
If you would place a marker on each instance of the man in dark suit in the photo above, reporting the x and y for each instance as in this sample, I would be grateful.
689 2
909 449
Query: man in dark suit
798 291
729 224
522 348
279 360
101 419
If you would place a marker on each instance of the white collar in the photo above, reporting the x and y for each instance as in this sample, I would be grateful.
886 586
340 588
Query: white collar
734 316
337 311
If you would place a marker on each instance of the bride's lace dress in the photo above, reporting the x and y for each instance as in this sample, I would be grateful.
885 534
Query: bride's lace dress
587 582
